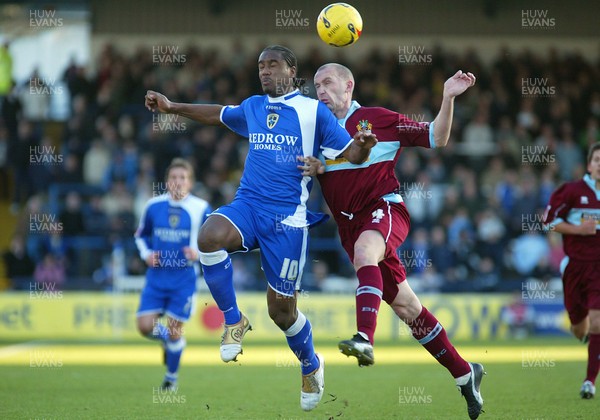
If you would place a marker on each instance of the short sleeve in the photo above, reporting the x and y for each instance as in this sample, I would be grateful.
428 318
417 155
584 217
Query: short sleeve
234 117
334 138
559 206
412 133
207 213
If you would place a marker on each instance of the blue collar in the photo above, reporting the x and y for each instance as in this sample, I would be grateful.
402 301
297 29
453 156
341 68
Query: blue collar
592 184
284 98
353 107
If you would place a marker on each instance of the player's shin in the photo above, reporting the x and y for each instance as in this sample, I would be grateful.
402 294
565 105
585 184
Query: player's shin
593 358
431 335
368 300
299 338
159 332
174 350
218 275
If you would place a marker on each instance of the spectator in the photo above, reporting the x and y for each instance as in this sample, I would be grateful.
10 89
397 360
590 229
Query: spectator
11 111
35 97
442 258
95 220
568 156
18 263
95 163
4 172
51 271
6 69
69 172
478 137
490 235
72 217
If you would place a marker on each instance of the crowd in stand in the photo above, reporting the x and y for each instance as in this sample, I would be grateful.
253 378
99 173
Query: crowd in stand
476 205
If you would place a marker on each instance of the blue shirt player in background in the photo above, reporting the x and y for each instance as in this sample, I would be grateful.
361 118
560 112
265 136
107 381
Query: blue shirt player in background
269 210
167 241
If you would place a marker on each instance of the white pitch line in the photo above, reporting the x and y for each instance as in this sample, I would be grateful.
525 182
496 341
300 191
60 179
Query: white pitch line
18 348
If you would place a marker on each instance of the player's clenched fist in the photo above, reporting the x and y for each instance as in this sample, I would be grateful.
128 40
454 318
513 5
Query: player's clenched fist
365 139
588 227
153 259
190 253
157 102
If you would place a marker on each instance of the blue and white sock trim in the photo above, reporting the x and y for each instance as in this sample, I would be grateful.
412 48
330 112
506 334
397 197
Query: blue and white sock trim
176 346
369 289
212 258
297 326
434 333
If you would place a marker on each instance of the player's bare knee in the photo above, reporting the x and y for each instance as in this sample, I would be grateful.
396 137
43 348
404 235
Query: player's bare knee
144 327
579 330
283 320
363 257
594 325
281 316
175 329
211 239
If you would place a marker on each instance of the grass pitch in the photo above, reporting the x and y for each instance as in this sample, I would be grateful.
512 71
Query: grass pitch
529 379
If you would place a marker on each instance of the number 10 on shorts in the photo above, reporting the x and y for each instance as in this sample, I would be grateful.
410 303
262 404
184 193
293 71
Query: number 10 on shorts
289 269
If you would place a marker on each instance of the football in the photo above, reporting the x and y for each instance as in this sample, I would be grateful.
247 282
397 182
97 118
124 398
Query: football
339 25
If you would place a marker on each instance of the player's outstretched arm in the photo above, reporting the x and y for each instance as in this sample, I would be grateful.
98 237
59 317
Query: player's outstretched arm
204 114
358 152
453 87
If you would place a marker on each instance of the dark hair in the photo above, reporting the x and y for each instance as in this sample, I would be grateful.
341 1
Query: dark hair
593 148
289 57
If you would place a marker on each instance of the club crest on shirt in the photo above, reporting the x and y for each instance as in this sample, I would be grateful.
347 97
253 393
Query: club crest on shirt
364 125
173 220
272 120
584 199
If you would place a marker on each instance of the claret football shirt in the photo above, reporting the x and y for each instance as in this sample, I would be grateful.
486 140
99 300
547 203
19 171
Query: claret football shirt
347 187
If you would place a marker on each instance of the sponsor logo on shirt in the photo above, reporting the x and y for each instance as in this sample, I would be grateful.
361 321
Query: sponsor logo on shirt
584 199
171 235
270 141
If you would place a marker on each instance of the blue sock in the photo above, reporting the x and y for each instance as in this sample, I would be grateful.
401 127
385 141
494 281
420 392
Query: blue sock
218 275
174 350
159 332
299 338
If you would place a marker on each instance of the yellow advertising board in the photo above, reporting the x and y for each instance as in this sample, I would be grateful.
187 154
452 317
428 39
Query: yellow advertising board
105 316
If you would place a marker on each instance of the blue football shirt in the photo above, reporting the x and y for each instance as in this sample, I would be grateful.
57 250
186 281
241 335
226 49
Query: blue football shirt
279 130
166 227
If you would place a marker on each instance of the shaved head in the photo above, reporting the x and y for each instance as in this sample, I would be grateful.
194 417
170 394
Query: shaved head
340 71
